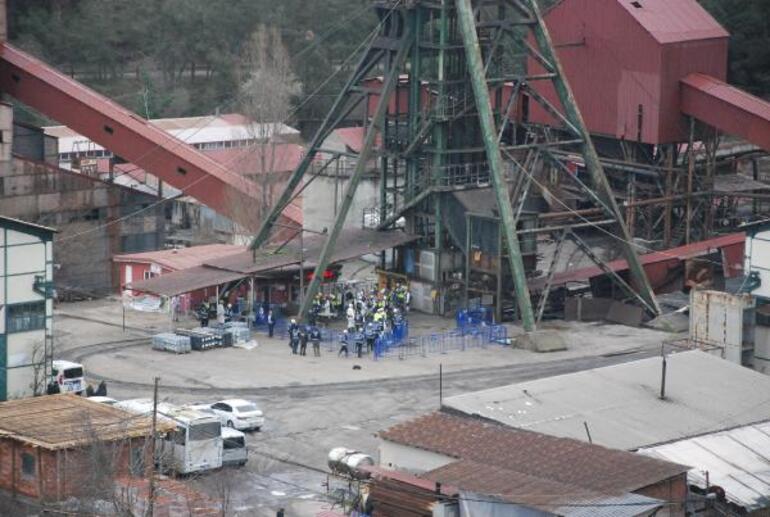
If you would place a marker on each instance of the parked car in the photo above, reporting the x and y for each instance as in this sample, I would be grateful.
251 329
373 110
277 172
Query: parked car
239 414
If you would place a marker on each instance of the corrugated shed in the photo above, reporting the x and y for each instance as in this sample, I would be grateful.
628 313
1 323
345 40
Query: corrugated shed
736 460
181 258
621 404
538 458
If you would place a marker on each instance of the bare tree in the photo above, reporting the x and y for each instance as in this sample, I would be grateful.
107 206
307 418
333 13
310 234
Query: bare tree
268 85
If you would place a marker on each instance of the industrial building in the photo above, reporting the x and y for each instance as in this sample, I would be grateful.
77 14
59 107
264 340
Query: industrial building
219 131
730 464
698 410
621 406
601 135
26 307
487 468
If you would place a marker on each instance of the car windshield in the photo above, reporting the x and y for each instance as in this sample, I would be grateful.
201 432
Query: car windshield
207 431
73 373
246 408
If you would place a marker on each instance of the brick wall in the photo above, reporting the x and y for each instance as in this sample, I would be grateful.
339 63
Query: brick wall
673 490
57 475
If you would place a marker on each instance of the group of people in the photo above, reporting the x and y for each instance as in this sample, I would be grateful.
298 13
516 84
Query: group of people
369 314
218 312
299 335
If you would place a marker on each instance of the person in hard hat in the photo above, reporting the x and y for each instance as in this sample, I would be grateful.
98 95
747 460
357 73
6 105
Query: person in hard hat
343 344
351 315
293 336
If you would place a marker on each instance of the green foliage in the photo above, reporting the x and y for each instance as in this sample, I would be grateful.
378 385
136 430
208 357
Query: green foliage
185 55
748 22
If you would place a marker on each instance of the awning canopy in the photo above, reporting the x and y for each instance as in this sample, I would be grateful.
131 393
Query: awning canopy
351 244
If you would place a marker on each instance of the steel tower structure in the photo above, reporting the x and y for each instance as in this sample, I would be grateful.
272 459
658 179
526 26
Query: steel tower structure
450 113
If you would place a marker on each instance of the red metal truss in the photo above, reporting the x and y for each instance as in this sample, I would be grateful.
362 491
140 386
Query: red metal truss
727 108
126 134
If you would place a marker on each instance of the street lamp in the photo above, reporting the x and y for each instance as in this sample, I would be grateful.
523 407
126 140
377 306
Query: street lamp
300 232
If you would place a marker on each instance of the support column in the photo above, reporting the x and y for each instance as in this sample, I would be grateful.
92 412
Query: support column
594 166
475 65
388 85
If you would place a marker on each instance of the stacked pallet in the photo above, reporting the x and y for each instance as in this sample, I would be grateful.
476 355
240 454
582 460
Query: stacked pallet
168 342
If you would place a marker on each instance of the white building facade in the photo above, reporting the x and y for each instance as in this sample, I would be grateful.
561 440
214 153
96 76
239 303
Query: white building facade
26 308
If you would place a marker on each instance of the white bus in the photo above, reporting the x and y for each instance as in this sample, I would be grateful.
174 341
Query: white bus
195 445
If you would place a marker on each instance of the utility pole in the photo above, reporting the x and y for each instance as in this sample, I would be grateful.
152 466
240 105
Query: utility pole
151 492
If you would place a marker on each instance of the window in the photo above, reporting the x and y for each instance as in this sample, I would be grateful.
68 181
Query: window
23 317
27 465
207 431
149 274
177 436
137 460
236 442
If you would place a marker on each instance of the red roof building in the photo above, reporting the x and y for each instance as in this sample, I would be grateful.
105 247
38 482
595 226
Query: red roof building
624 60
133 267
477 456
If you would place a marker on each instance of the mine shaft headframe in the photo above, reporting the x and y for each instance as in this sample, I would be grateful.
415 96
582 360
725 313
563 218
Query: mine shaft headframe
387 56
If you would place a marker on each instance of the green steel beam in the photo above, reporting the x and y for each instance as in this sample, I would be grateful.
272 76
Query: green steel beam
388 85
475 65
594 166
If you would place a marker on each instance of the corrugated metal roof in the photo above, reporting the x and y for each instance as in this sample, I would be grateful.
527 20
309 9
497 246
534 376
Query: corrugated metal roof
192 130
620 403
184 281
59 421
181 258
689 251
540 462
737 460
727 108
259 158
352 243
673 21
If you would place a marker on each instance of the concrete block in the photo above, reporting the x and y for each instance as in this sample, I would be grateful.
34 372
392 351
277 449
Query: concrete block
625 314
542 341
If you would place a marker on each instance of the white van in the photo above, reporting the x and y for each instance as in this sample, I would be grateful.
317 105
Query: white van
69 376
234 447
195 445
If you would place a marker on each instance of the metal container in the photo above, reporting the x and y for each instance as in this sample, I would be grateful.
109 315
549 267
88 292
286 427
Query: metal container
348 462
